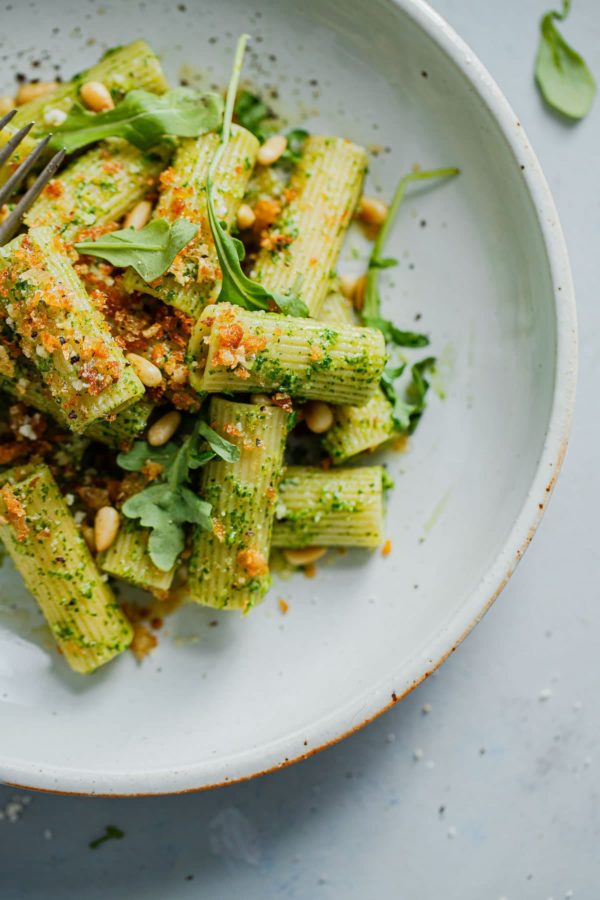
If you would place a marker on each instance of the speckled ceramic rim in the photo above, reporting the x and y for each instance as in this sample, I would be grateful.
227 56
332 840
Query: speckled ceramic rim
363 709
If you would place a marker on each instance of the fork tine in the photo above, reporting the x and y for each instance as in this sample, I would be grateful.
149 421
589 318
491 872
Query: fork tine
12 224
16 179
6 119
14 142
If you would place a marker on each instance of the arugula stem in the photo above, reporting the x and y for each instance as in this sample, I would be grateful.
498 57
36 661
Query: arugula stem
103 245
238 62
371 306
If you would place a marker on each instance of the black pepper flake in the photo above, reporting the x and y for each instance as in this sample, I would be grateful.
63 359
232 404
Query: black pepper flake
181 7
72 415
424 74
213 40
423 223
313 82
21 77
418 317
214 623
62 339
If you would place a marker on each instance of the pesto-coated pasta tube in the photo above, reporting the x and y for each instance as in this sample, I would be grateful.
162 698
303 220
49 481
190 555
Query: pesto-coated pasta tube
128 559
97 188
61 332
229 565
356 429
49 551
120 70
306 239
334 508
194 275
20 379
233 349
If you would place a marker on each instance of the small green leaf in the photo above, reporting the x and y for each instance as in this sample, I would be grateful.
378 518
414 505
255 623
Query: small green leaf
150 251
252 113
225 449
408 407
165 544
562 75
112 833
394 335
142 119
236 287
141 453
295 143
385 263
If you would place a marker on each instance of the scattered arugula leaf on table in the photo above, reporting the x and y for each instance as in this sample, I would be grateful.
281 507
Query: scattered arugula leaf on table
168 504
142 119
562 75
150 250
236 287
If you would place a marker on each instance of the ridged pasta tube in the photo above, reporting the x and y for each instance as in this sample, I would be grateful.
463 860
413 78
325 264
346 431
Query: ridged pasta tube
98 187
229 565
128 559
356 429
48 549
20 379
120 70
334 508
194 276
306 239
233 349
61 332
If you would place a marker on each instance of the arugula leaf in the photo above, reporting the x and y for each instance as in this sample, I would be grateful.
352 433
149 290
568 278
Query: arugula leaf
295 142
150 250
141 453
111 833
225 449
371 311
562 75
168 504
142 119
236 287
394 335
386 263
408 409
251 113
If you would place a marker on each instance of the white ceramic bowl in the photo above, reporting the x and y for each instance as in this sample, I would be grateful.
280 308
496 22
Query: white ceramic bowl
490 276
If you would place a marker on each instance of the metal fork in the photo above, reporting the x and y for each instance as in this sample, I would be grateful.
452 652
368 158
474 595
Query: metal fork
12 223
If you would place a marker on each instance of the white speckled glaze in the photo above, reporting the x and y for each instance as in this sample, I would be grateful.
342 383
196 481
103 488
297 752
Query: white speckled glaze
488 272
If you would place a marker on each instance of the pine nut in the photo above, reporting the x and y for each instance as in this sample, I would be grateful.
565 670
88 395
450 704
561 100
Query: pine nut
271 150
96 96
304 556
164 428
33 91
147 372
246 217
89 537
318 416
106 527
372 211
347 286
138 216
6 104
260 399
358 297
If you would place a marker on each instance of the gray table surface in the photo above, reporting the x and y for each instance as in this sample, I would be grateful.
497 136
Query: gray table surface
483 784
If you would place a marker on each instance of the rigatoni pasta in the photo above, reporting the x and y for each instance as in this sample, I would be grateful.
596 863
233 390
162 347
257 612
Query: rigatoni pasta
192 279
233 349
229 566
46 546
356 429
303 244
61 332
335 508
